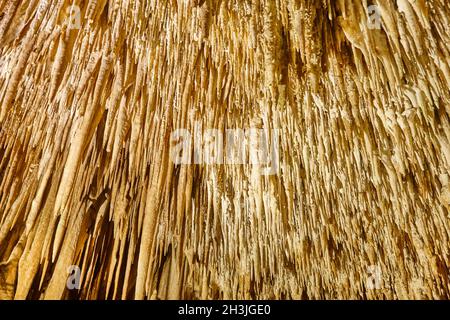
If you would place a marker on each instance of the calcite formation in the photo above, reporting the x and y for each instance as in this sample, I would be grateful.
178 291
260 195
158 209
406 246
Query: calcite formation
93 207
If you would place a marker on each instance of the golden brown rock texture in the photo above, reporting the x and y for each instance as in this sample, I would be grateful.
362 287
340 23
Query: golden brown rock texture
86 179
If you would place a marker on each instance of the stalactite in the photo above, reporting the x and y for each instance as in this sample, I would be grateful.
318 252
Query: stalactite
91 92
